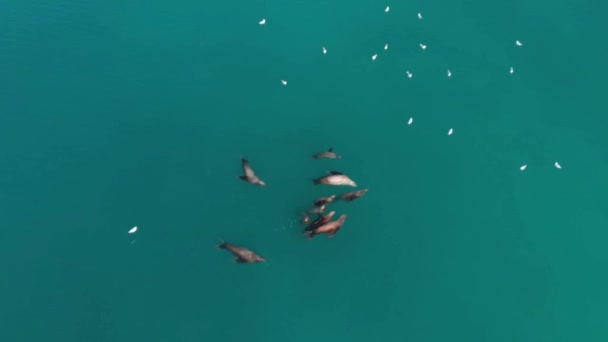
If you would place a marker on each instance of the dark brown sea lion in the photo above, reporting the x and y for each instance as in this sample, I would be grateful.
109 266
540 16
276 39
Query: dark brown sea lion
335 178
320 221
353 195
330 228
324 200
243 255
249 176
330 154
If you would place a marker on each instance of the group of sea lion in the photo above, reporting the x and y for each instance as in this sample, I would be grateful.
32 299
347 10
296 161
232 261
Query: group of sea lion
322 224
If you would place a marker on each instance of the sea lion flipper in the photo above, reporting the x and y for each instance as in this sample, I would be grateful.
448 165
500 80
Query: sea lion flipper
331 149
335 173
239 260
243 178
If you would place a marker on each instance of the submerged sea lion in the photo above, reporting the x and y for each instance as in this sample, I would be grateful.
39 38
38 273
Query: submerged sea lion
353 195
243 255
320 221
249 176
324 200
335 178
330 154
330 228
317 210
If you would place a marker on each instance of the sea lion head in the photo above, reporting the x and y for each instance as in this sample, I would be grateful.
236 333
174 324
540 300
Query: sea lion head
259 258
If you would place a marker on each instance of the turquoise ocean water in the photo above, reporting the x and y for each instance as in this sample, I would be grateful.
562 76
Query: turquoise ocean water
116 114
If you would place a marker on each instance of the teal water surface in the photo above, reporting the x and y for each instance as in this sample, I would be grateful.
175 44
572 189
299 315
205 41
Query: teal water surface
116 114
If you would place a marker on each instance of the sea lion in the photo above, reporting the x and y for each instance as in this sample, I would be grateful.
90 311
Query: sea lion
353 195
320 221
335 178
329 154
330 228
317 210
249 176
243 255
324 200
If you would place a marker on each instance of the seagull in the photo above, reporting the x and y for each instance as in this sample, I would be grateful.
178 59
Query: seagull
523 167
387 9
557 165
284 82
409 122
262 22
450 131
511 70
423 46
133 230
385 46
518 43
449 73
374 57
324 50
419 16
409 74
